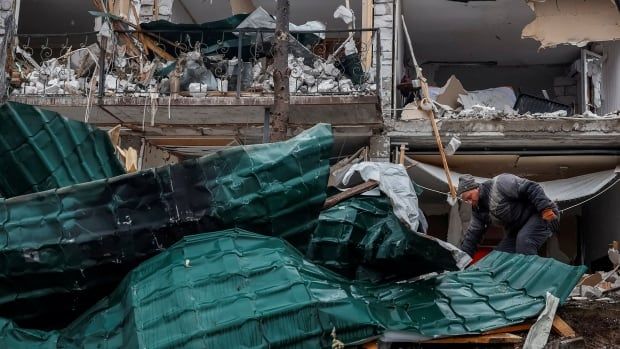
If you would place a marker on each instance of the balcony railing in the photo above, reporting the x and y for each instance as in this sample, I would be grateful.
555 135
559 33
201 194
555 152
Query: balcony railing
194 63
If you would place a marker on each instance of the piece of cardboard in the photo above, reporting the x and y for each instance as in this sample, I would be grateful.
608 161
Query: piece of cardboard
450 92
412 112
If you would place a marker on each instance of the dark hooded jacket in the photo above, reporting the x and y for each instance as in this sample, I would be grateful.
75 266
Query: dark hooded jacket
508 201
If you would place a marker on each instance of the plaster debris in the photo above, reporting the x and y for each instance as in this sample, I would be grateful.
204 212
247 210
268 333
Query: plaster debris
196 72
574 22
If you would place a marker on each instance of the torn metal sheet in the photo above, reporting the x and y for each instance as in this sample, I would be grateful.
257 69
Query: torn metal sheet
64 249
574 22
362 238
235 289
397 185
41 150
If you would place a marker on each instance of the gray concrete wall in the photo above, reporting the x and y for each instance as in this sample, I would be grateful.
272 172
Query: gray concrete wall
601 223
7 29
384 21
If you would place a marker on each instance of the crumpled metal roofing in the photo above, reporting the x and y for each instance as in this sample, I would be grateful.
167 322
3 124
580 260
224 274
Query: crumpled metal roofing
64 249
235 289
362 237
41 150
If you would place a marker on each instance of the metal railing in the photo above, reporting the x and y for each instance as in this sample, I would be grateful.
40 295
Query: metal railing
204 63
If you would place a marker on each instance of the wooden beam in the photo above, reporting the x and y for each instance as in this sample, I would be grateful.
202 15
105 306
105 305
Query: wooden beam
500 338
349 193
561 328
510 329
366 41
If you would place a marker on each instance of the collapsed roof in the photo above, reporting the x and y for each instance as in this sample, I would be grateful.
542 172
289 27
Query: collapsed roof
235 289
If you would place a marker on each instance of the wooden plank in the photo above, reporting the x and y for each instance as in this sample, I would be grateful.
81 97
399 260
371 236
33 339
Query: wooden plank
510 329
500 338
561 328
349 193
366 41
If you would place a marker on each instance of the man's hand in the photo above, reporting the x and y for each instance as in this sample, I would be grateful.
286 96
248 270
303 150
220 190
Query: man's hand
549 215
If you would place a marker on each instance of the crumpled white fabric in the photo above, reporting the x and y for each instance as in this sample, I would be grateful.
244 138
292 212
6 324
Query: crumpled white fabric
344 13
261 19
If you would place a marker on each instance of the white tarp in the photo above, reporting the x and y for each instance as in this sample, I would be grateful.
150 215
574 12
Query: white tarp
396 184
557 190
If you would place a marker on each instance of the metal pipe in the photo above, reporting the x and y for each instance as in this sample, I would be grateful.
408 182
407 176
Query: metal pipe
584 82
239 64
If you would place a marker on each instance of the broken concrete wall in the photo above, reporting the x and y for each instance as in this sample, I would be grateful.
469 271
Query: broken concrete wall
384 21
575 22
155 156
151 10
7 23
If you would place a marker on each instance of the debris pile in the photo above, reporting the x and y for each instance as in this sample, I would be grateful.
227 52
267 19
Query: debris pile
127 261
601 285
452 101
146 63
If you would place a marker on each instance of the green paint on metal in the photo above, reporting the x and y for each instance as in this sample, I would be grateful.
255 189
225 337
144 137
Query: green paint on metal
362 237
41 150
235 289
64 249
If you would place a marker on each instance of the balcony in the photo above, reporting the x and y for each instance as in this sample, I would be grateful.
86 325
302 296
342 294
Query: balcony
156 78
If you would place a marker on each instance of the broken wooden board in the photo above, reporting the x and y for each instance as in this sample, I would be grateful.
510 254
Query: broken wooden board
510 329
349 193
498 338
560 327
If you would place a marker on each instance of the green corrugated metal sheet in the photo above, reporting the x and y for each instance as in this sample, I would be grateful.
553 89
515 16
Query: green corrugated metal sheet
362 237
41 150
62 250
236 289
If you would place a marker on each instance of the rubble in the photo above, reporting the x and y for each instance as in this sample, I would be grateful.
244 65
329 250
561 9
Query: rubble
78 71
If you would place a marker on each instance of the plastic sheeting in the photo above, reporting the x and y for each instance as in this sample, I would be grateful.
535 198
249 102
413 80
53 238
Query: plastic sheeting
397 185
41 150
362 238
235 289
560 190
64 249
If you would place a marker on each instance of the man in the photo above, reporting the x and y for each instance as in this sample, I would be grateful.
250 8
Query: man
519 205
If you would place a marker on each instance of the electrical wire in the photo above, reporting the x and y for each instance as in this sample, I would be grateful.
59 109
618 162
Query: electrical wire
592 197
561 211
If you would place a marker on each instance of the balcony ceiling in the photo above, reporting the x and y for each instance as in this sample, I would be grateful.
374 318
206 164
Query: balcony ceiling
441 30
478 31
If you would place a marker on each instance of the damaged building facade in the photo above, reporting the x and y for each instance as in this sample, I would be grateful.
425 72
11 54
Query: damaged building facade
509 76
523 87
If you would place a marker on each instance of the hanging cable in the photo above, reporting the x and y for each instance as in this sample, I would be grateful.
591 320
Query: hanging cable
591 198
